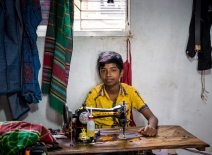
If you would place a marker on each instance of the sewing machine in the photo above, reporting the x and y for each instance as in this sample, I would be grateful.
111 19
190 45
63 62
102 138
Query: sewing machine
75 122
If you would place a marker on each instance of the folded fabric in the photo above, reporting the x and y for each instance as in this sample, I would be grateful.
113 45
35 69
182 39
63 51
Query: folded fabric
16 135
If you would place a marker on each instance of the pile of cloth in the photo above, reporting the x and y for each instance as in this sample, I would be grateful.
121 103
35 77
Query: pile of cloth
15 136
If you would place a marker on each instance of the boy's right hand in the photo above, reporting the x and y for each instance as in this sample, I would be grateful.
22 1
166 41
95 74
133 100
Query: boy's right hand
148 131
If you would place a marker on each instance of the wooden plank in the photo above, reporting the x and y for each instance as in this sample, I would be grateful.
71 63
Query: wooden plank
168 137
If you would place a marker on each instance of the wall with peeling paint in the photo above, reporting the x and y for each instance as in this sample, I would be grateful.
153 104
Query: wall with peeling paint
165 77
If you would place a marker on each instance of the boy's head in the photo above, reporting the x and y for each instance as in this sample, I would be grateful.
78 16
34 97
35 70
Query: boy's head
110 57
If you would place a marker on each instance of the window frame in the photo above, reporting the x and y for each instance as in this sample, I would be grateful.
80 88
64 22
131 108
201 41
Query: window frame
41 29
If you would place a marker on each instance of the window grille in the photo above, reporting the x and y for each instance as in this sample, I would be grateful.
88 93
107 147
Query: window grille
94 17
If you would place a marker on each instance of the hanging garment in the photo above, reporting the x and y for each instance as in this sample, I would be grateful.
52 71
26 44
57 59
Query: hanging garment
10 52
31 13
11 28
127 76
58 52
204 56
18 105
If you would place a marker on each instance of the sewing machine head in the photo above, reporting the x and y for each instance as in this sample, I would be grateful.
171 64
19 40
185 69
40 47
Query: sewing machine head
77 121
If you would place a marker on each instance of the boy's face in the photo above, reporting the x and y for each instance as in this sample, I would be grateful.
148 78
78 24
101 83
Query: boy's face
110 74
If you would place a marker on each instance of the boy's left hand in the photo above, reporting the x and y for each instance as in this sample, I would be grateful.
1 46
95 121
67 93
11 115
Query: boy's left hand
148 131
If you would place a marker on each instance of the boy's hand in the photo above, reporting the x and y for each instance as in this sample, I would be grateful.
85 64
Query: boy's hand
148 131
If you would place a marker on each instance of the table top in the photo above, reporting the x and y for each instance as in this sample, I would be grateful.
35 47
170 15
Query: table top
167 137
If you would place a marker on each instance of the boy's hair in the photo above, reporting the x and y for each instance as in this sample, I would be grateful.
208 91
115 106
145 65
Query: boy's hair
109 57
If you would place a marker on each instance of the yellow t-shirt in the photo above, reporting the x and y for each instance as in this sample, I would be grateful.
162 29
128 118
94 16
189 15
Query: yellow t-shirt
98 98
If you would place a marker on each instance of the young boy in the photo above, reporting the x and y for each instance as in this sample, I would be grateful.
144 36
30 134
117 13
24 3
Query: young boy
112 93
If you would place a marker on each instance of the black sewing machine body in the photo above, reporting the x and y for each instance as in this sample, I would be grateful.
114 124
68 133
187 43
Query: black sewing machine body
75 122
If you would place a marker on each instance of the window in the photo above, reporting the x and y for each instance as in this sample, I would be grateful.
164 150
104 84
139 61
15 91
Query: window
94 17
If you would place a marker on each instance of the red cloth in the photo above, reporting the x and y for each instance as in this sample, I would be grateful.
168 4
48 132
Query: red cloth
44 134
127 76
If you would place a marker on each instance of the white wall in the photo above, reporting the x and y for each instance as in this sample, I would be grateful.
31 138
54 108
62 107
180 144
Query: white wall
165 77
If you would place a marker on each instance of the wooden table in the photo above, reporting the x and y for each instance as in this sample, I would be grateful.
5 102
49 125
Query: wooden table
168 137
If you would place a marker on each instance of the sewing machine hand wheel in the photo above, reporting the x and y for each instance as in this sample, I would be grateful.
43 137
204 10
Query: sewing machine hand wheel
67 117
67 122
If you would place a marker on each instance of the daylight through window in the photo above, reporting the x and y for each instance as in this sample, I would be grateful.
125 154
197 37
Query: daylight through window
95 17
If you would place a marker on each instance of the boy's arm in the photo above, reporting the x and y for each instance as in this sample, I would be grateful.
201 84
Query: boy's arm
139 104
150 129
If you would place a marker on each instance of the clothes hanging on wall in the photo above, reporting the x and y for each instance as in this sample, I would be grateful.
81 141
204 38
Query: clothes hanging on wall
11 28
31 14
14 61
18 105
10 51
58 52
127 76
204 56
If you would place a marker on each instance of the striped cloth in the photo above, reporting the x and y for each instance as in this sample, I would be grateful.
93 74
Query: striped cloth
58 52
17 135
